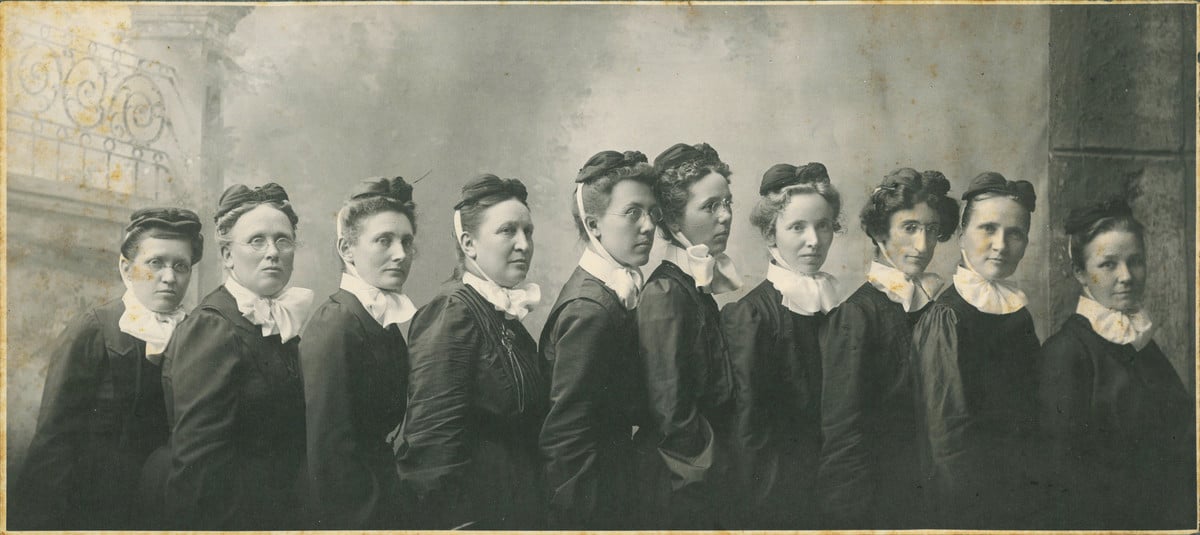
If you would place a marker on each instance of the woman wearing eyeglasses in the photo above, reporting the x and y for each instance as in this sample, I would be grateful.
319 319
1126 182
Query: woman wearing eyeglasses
102 408
683 445
772 333
468 447
590 339
355 362
232 380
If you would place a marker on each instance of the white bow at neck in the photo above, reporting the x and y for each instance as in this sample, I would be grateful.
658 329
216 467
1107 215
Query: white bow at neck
385 307
149 326
283 314
991 296
625 281
1118 327
911 293
713 274
803 293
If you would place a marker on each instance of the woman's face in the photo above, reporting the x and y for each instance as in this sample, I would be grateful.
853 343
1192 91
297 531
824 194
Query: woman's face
804 232
912 238
995 236
382 254
1114 270
503 243
708 214
626 228
159 273
267 271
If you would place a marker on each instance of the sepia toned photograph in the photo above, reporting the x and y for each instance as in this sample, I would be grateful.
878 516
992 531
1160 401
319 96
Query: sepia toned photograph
595 266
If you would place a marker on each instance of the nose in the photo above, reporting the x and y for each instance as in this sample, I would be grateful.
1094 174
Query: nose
921 241
724 214
399 253
522 241
810 237
168 275
646 224
1123 274
272 250
999 241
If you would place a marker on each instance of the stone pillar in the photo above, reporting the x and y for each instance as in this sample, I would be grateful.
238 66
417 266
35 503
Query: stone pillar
1122 118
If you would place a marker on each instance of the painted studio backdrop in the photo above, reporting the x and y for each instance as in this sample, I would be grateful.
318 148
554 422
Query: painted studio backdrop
112 108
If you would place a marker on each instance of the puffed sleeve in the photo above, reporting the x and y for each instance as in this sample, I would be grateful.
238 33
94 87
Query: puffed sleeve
52 465
847 473
433 446
1064 395
943 418
203 359
569 435
751 337
666 332
346 489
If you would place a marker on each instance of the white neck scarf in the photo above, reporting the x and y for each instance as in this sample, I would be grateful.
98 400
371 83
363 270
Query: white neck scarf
1115 326
713 274
386 307
283 314
147 325
514 302
803 293
625 281
910 293
989 296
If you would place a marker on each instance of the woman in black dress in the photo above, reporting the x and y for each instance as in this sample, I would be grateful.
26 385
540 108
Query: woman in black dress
867 475
1119 423
102 408
468 447
590 340
975 357
684 457
232 380
772 333
355 363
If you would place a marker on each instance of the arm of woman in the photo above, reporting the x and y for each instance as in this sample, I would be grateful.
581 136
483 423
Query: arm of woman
569 436
433 448
1064 395
40 500
345 487
749 335
204 360
846 474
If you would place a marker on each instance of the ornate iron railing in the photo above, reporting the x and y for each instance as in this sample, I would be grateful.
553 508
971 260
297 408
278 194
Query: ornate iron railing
88 114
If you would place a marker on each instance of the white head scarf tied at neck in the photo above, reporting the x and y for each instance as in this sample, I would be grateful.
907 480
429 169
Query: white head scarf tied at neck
514 302
803 293
911 293
713 274
147 325
1117 327
989 296
283 314
625 281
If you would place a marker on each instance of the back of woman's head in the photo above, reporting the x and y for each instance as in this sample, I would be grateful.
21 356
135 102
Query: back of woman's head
903 189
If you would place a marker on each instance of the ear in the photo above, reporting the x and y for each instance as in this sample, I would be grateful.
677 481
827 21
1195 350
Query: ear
673 226
227 256
343 249
125 266
592 223
468 244
1080 275
769 235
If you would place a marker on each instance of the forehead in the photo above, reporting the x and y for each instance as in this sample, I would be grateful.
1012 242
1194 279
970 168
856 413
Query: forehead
1003 211
631 191
151 247
507 211
920 212
389 221
263 219
809 206
1118 242
711 185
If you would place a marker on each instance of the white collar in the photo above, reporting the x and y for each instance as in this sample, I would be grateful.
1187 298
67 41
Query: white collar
713 274
148 326
283 314
624 281
803 293
386 307
515 303
989 296
899 288
1115 326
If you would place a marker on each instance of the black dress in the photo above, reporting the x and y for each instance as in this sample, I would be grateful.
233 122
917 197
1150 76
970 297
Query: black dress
237 403
777 425
976 376
868 472
355 388
468 447
688 381
1121 431
591 341
102 414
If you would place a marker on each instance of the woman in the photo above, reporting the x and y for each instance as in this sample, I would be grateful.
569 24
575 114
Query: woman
867 475
1119 422
590 339
232 380
355 362
102 408
683 446
468 446
772 333
975 354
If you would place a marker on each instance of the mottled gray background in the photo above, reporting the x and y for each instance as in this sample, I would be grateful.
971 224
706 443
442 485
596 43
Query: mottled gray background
1078 100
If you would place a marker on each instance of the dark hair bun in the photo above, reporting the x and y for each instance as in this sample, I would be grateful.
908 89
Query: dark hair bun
488 185
993 182
1083 217
681 153
935 183
607 161
782 175
180 220
238 194
392 188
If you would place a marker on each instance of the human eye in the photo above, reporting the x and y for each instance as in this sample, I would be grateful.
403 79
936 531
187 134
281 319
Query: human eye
156 264
257 242
182 268
911 228
933 228
384 240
